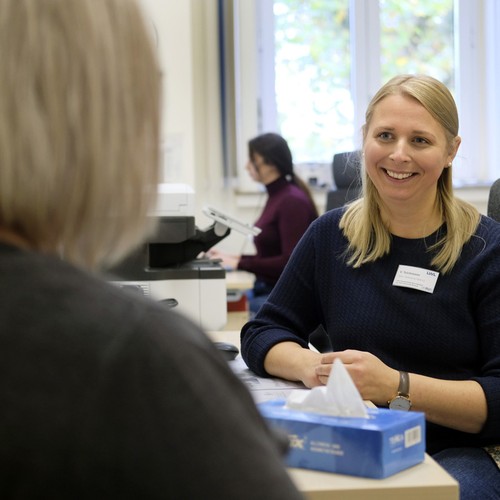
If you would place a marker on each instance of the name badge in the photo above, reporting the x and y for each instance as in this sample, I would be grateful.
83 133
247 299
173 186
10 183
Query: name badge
416 277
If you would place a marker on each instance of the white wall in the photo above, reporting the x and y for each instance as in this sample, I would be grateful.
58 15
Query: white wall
171 22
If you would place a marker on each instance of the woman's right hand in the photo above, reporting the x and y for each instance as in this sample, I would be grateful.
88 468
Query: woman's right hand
290 361
229 261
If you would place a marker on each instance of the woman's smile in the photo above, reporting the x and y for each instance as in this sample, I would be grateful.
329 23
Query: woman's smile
401 176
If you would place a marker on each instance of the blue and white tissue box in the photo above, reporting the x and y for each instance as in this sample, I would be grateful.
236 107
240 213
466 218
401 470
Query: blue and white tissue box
384 443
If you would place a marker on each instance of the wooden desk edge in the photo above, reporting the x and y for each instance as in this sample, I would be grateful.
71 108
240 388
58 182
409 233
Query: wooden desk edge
414 483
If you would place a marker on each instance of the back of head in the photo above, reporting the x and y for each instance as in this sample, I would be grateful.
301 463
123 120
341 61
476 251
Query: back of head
274 150
79 126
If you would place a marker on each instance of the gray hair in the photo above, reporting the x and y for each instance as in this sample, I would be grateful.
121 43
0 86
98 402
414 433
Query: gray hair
79 126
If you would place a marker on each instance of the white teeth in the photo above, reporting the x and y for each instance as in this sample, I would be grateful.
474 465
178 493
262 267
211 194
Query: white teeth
395 175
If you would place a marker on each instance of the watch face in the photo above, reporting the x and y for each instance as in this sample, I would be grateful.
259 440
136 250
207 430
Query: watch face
400 403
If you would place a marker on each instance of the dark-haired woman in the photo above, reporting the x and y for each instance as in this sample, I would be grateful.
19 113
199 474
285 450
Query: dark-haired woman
288 211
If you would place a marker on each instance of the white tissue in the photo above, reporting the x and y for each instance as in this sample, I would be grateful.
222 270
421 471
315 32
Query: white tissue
338 398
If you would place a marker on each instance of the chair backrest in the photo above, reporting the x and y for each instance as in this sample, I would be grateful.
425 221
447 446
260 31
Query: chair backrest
494 201
346 177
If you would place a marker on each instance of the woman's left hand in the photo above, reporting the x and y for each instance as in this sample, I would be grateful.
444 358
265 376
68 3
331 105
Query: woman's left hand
374 380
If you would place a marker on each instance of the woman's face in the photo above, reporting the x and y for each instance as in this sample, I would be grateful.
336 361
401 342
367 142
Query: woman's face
406 151
254 165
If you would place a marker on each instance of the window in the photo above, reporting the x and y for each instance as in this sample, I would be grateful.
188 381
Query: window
312 46
319 62
418 37
312 82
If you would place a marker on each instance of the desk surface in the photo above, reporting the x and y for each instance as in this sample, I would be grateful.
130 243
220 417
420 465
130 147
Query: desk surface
427 479
239 280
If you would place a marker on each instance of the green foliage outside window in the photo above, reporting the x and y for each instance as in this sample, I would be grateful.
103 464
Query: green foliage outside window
313 76
417 37
313 64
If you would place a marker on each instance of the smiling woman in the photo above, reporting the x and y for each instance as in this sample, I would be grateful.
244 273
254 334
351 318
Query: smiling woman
405 281
411 127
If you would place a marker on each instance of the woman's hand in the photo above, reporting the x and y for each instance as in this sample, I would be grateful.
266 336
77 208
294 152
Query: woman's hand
459 404
291 361
229 261
374 380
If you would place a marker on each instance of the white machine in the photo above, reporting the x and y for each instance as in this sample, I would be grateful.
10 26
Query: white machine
196 289
167 267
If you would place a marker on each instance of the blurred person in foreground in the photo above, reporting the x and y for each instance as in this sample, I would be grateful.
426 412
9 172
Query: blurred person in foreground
104 394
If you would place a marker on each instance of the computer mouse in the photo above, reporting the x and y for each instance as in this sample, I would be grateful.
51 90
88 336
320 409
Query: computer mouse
229 351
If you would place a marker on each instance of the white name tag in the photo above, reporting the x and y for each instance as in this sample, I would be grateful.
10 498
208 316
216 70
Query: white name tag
416 277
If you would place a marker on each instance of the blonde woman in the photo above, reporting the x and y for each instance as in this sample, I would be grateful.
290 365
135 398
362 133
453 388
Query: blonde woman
104 395
406 283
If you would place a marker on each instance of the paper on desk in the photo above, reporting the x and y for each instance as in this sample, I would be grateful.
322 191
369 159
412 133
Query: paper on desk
263 389
339 397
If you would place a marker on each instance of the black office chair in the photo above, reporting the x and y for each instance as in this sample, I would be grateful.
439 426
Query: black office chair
346 177
494 201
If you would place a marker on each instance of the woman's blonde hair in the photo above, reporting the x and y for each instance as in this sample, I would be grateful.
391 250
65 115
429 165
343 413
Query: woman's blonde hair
79 126
369 237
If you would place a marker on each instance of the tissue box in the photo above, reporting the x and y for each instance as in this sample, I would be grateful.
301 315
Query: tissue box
379 446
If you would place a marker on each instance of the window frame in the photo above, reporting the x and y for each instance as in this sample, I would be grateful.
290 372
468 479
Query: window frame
477 74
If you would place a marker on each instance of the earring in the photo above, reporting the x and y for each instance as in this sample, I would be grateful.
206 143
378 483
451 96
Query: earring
449 164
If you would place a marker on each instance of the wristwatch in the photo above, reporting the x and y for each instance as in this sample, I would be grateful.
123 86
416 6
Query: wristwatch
402 400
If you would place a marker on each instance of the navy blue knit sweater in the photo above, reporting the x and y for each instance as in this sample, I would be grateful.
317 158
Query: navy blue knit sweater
452 333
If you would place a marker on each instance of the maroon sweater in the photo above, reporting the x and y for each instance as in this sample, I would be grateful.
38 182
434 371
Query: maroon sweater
286 215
